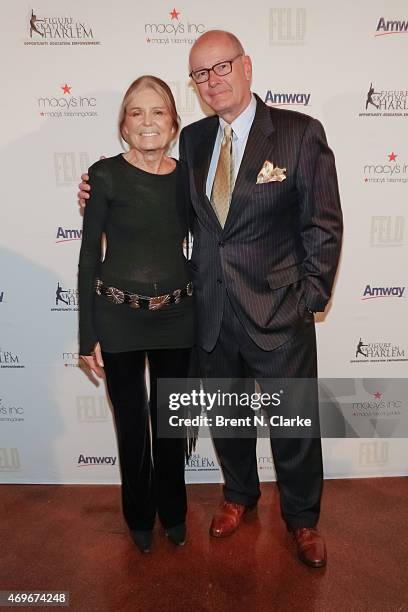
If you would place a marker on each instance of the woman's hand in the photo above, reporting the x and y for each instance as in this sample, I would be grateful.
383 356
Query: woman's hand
94 362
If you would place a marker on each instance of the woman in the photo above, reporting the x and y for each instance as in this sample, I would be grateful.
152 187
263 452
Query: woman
137 303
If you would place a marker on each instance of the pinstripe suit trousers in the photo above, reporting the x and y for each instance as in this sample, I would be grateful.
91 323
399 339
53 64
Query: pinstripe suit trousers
298 461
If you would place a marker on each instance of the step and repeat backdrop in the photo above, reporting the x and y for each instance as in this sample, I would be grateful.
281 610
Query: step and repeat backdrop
65 67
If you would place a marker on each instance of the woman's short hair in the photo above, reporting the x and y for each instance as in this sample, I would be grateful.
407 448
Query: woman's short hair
160 87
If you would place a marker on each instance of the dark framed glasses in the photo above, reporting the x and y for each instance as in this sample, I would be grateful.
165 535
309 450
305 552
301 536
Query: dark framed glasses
220 69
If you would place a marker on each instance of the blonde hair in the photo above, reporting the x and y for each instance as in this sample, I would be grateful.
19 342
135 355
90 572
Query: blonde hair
160 87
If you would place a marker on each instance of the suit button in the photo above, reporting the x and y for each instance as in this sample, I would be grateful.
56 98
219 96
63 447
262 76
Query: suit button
219 281
221 243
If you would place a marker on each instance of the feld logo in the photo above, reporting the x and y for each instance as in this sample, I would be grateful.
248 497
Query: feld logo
68 167
287 26
92 409
374 453
185 97
387 231
172 30
92 461
286 99
67 235
391 26
371 293
9 460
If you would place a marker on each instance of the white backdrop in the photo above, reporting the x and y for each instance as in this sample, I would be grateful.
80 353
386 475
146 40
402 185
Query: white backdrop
62 83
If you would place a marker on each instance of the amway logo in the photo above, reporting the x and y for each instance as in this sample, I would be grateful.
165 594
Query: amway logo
66 235
391 27
378 292
86 461
288 99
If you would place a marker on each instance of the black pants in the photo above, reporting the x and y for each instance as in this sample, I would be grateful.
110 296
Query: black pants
152 468
298 461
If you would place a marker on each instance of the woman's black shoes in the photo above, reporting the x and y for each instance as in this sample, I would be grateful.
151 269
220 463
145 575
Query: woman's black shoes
177 534
142 539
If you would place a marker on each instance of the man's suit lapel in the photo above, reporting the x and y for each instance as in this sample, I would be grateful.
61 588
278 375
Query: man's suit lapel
202 158
259 147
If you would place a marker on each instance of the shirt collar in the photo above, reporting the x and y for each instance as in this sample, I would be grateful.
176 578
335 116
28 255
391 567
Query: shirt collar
242 124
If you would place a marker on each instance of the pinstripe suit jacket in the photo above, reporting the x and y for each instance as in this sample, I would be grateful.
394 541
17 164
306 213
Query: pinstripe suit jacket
278 251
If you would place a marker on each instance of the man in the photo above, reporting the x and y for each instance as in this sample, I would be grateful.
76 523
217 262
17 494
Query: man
264 260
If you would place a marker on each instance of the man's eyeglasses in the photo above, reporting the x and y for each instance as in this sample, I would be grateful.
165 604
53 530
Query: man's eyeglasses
220 69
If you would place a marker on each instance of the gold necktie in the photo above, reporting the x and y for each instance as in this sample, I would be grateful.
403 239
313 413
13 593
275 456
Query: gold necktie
222 186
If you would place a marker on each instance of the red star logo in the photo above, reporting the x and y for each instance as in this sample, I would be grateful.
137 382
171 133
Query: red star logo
378 395
66 89
392 156
174 14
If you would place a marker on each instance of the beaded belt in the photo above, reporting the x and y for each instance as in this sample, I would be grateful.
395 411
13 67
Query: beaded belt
117 296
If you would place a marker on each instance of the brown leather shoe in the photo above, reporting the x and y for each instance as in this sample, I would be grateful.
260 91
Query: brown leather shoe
227 518
311 548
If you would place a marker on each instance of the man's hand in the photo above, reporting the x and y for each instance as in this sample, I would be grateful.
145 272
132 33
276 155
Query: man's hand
94 362
84 189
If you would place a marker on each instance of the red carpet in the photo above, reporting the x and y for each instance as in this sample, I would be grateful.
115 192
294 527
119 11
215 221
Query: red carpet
72 538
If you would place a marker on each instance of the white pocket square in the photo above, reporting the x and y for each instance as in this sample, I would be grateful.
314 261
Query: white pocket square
268 173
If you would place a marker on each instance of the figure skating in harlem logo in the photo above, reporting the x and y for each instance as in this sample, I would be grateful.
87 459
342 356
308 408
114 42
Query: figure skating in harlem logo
59 295
33 27
379 352
370 95
58 29
65 299
359 350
